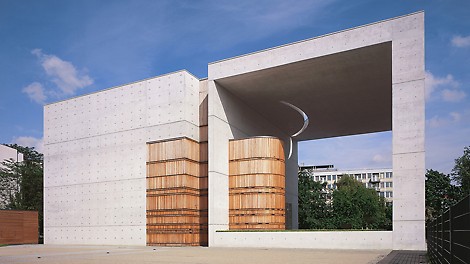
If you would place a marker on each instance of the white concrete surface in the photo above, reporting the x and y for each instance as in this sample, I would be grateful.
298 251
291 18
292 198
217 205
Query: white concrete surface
230 118
313 240
408 125
95 156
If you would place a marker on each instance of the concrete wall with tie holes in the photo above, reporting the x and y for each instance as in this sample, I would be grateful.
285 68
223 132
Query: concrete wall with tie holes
95 156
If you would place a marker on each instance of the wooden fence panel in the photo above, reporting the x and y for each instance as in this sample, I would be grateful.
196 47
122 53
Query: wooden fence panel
18 227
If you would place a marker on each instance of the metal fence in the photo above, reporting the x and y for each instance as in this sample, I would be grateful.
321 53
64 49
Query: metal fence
448 236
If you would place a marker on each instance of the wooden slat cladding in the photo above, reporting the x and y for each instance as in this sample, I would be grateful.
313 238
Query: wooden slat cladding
256 147
181 148
18 227
177 193
256 184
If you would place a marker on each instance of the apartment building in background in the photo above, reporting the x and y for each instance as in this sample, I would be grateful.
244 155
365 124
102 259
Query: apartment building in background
381 180
8 188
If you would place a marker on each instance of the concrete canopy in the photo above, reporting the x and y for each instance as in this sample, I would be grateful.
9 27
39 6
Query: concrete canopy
360 80
345 93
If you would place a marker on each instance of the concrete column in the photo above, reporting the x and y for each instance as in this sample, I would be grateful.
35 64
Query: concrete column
292 193
218 136
408 124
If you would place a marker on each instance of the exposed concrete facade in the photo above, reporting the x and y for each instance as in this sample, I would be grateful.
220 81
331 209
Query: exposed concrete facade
95 156
362 80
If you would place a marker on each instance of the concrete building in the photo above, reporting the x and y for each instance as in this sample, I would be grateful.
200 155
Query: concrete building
379 179
7 153
107 153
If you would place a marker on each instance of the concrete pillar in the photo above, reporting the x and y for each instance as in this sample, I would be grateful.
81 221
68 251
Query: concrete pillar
408 124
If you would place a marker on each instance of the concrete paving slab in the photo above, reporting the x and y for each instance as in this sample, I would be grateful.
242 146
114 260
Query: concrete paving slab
75 254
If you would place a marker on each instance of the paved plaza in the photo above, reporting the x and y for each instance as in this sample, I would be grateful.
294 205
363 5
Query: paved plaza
124 254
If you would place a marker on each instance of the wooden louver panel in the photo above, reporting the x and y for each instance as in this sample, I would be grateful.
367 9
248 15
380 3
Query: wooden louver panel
256 184
177 193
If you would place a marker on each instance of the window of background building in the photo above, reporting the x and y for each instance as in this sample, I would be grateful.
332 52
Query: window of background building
329 177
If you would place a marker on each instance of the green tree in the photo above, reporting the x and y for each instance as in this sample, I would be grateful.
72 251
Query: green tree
353 206
440 193
25 180
461 171
314 212
356 206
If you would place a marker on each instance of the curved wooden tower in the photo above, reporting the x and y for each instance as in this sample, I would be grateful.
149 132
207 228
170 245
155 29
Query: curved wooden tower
257 184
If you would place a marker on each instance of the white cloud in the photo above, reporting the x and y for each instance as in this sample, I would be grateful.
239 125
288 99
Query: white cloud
436 121
378 158
449 88
459 41
35 92
453 95
37 143
456 117
63 73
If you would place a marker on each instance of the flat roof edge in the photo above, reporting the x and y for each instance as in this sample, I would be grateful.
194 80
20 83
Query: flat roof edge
121 85
317 37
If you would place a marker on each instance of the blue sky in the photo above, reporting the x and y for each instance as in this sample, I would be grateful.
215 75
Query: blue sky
53 50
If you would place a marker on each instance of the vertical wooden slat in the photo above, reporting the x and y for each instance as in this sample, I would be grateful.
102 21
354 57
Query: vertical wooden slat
256 184
177 193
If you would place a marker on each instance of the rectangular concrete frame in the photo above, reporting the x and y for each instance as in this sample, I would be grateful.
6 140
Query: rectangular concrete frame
406 35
